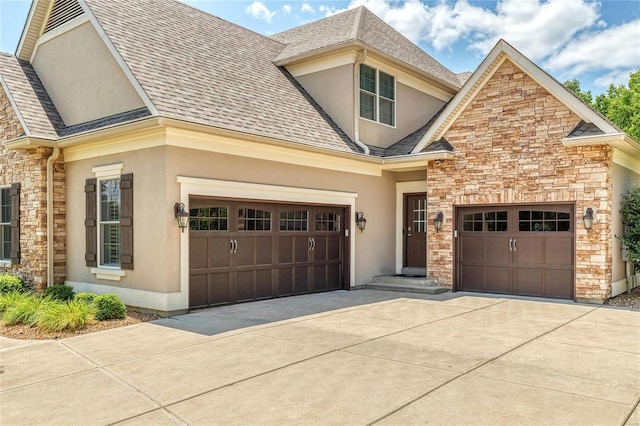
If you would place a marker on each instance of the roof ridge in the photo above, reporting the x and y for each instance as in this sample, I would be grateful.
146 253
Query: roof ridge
358 23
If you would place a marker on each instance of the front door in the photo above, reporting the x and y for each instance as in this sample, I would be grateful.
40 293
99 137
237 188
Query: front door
415 230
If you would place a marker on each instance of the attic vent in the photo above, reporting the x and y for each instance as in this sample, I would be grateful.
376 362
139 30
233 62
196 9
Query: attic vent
62 12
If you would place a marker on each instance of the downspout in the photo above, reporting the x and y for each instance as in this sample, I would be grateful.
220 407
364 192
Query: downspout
50 247
356 102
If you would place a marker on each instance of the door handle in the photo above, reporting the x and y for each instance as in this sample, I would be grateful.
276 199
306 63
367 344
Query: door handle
231 245
515 244
313 244
510 244
234 246
310 243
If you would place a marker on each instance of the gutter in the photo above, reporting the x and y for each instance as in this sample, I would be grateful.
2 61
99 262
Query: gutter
50 234
621 141
356 102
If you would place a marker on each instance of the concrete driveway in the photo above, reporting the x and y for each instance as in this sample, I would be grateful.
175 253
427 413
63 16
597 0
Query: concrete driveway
341 358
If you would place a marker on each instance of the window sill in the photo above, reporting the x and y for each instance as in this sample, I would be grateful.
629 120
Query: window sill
108 273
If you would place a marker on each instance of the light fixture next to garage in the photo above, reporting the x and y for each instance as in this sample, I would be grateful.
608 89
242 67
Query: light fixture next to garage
181 216
587 219
361 221
437 221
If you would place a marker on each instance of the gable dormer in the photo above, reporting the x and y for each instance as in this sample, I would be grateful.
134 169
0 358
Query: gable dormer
78 67
374 83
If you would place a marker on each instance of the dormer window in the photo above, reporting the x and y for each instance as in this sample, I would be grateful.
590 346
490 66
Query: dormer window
377 96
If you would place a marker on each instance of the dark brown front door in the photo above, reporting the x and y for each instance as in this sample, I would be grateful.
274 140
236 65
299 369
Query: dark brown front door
524 250
248 251
415 230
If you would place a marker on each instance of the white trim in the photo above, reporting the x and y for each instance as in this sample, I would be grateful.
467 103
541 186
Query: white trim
326 63
153 300
625 160
112 170
219 188
110 274
58 31
121 62
25 29
401 189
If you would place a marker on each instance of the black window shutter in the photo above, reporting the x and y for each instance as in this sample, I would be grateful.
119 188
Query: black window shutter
14 193
91 223
126 221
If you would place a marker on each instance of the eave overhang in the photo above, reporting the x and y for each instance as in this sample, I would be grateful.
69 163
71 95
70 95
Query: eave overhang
29 142
620 141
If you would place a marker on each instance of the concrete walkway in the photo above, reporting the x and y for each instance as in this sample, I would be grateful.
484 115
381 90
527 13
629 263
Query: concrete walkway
341 358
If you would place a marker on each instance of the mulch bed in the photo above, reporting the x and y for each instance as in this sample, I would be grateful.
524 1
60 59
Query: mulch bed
626 300
25 332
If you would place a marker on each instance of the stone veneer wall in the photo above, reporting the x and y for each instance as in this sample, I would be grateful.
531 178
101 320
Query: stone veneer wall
508 150
29 168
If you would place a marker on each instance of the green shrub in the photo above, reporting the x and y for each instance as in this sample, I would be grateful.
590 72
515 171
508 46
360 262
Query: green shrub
26 309
10 299
86 298
59 292
630 212
109 306
10 283
69 316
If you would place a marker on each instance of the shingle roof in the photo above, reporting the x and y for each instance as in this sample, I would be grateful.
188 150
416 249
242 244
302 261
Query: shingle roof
360 25
121 118
585 129
33 102
406 145
200 68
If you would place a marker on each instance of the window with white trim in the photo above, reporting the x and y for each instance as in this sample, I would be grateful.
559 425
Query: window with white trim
109 222
377 95
5 224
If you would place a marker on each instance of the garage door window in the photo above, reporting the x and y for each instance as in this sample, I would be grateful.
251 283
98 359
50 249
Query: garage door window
254 220
544 221
495 221
209 219
294 220
327 221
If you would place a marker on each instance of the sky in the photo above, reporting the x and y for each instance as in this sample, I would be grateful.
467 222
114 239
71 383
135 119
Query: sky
595 42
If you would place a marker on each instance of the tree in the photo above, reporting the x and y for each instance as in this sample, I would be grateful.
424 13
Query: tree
574 86
630 211
620 104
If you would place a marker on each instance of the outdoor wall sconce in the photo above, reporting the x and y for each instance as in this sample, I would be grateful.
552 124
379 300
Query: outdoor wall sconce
437 221
587 219
181 216
361 221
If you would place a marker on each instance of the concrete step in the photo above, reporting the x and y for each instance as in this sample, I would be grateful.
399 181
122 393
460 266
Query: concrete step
408 288
404 279
421 272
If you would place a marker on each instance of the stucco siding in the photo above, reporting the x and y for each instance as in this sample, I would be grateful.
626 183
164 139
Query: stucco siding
82 78
508 150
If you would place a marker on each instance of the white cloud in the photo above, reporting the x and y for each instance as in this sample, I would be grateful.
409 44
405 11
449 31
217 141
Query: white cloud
260 11
615 48
307 8
614 77
286 8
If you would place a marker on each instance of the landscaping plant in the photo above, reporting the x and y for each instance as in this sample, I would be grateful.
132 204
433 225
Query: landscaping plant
71 316
87 298
25 309
109 306
10 283
59 292
630 211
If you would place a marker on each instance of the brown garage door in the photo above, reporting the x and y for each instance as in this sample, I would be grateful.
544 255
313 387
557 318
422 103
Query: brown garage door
524 250
247 251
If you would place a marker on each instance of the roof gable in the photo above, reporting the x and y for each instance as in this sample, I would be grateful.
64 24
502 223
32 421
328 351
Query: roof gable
501 52
359 26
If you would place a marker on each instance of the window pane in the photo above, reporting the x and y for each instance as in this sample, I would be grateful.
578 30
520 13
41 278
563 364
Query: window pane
110 244
502 226
537 215
565 216
5 205
110 200
387 112
5 242
549 215
490 216
564 226
524 215
294 220
367 78
386 86
367 106
502 215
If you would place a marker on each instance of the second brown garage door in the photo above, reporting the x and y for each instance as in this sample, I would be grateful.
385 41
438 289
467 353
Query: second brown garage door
524 250
248 251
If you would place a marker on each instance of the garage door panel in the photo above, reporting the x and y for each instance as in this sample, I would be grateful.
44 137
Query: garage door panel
472 249
301 279
334 251
285 250
219 289
528 281
472 277
319 278
285 281
559 283
320 248
559 251
264 250
301 249
497 279
198 253
245 251
219 252
245 286
529 250
333 276
198 290
496 250
264 284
